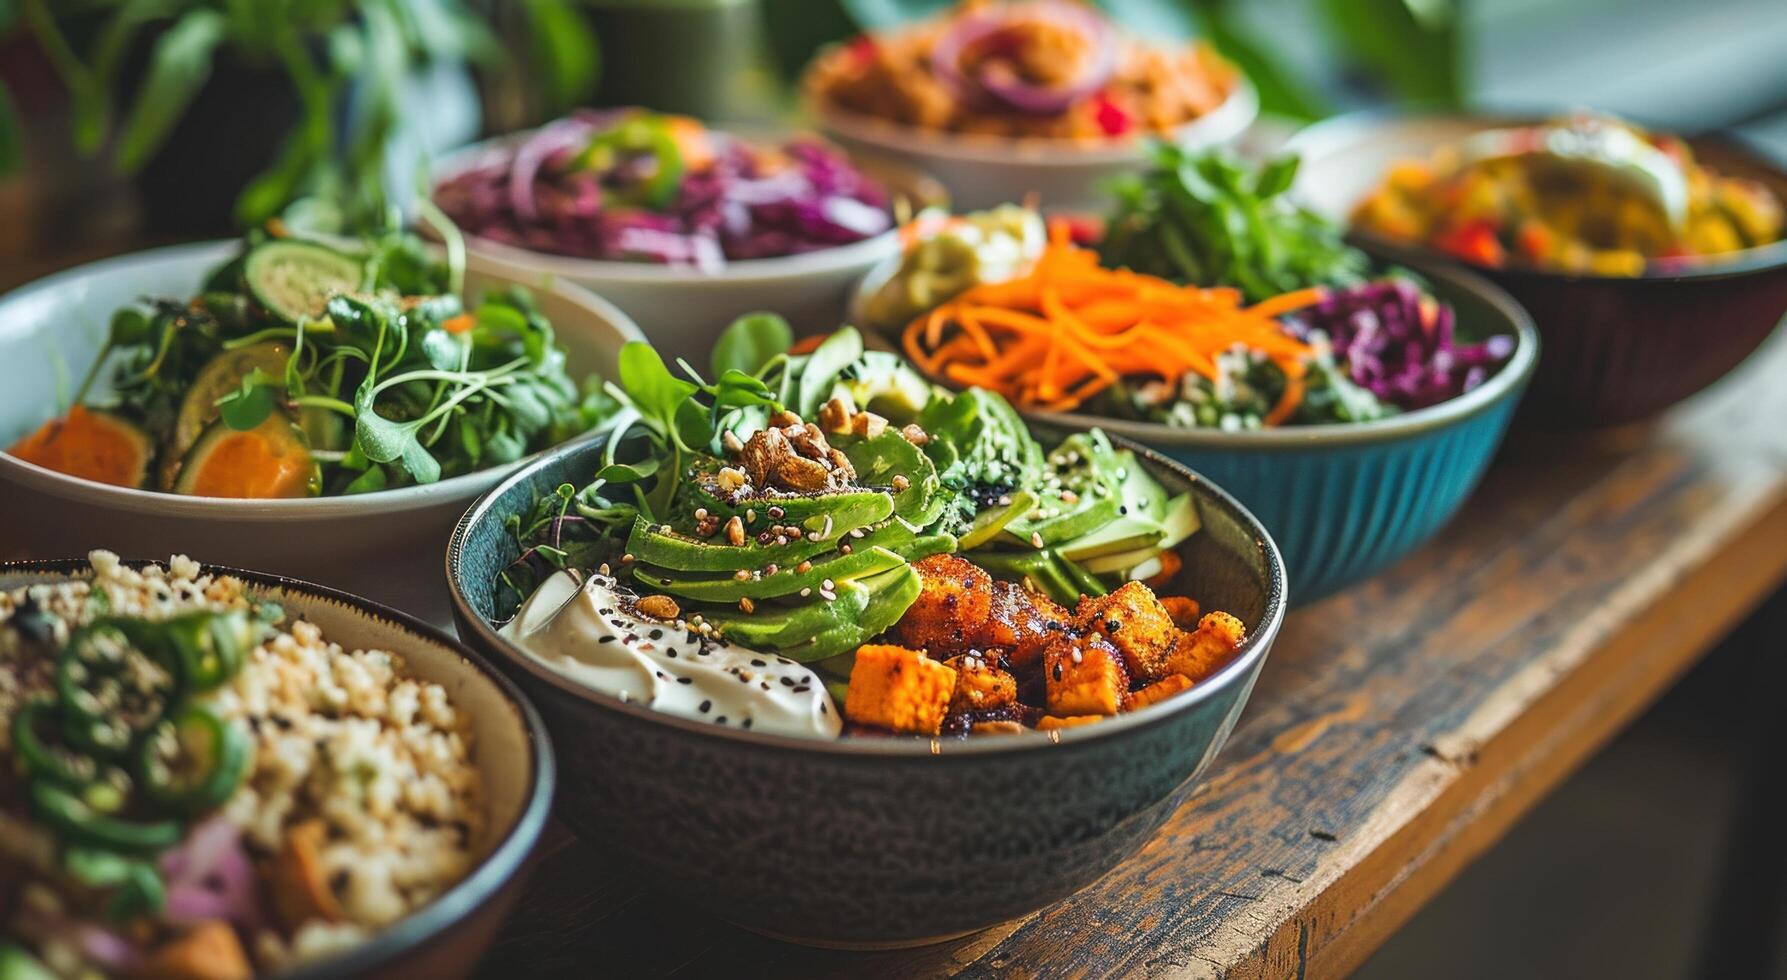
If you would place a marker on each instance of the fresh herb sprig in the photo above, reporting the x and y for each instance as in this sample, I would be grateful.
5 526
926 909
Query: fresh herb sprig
1205 218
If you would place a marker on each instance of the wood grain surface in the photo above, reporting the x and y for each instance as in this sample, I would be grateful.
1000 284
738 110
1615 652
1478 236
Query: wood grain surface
1397 732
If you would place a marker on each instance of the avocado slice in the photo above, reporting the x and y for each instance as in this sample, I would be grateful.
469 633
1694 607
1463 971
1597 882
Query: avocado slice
860 563
654 545
1123 534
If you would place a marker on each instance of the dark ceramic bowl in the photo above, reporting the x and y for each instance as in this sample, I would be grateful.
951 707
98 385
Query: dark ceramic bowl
1617 349
448 936
866 842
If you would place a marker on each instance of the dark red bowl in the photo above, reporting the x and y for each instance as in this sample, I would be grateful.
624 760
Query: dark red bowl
1617 349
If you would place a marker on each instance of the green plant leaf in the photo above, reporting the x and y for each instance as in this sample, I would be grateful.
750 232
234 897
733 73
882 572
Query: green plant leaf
178 68
820 371
654 391
566 54
442 349
748 343
12 141
372 479
628 472
1412 45
249 405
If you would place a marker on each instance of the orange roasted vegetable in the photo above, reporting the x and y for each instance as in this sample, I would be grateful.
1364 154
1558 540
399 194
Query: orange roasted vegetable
897 688
1198 654
207 951
92 445
1134 622
952 606
1083 675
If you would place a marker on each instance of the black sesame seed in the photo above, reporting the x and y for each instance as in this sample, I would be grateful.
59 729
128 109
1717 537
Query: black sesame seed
656 634
1057 671
758 663
787 682
706 706
802 689
605 638
745 724
671 654
685 680
721 720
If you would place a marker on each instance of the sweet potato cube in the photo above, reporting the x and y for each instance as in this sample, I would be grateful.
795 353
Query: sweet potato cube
1157 692
1203 651
207 951
980 685
1183 610
1134 622
1051 723
1020 625
1083 675
904 690
953 604
999 727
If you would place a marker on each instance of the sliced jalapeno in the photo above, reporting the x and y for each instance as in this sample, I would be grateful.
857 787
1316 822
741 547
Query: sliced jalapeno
192 761
136 887
77 822
103 711
37 743
210 647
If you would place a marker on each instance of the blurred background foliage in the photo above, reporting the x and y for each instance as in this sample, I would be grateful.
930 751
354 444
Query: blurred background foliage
161 119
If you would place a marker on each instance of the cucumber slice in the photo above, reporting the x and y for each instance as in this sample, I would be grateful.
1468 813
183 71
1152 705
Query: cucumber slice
266 462
295 280
220 376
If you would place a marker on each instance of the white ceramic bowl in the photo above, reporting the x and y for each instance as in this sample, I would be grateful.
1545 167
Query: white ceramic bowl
682 310
982 171
386 545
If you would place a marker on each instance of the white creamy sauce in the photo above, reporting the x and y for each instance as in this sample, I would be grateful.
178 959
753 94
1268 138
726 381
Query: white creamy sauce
591 635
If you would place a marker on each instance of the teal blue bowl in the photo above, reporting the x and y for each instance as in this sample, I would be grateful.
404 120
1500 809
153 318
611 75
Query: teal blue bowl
1346 501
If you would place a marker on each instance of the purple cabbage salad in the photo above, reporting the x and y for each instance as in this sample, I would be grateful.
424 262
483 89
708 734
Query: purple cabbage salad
1376 349
1399 343
635 186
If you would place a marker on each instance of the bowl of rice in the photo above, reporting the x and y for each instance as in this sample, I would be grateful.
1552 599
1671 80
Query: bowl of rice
217 773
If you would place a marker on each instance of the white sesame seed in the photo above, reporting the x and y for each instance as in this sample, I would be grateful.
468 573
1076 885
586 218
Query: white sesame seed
805 591
827 595
827 585
1036 539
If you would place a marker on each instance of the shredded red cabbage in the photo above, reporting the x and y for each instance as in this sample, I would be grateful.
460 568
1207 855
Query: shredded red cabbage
747 203
1399 344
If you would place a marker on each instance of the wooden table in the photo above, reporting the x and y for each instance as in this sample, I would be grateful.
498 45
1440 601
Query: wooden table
1399 729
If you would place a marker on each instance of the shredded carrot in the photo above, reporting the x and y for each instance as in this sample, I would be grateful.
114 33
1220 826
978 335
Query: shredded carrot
462 323
1070 329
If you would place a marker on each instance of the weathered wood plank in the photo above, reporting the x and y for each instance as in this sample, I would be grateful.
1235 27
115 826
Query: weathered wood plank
1398 731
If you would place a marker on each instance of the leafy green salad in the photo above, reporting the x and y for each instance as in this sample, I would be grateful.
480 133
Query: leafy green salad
781 504
318 365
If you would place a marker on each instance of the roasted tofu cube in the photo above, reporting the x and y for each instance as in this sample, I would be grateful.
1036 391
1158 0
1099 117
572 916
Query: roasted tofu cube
980 685
1183 610
1157 692
900 689
952 607
1134 622
1083 675
1202 652
1020 624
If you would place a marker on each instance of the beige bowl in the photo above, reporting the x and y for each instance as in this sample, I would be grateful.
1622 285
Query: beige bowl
682 310
982 171
446 937
385 545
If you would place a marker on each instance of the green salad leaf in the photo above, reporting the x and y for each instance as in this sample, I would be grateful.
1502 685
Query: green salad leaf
1207 219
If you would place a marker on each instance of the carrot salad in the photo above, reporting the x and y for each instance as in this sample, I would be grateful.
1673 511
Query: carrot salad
1069 330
